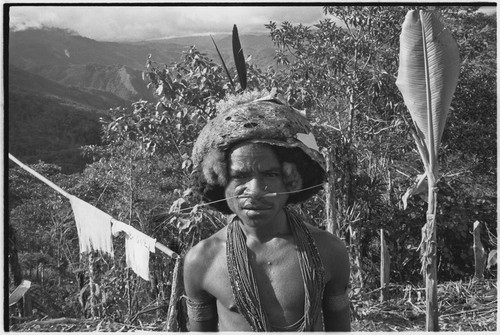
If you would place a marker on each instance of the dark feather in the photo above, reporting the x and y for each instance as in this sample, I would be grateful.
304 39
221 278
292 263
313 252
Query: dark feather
223 64
239 59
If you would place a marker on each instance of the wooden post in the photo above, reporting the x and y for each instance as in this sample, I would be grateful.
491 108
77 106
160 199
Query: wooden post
173 324
330 201
384 266
354 244
91 286
27 305
479 254
385 258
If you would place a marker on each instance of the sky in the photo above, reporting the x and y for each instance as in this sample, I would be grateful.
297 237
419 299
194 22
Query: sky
125 23
147 22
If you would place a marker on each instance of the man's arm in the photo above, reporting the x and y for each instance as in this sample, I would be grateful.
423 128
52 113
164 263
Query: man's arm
336 305
202 307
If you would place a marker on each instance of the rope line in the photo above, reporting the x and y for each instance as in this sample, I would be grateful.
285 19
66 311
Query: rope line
39 176
158 245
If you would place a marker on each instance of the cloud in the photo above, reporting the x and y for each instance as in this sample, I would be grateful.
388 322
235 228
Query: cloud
122 23
488 10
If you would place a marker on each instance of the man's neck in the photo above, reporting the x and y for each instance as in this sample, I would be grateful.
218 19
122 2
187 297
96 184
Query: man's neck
266 232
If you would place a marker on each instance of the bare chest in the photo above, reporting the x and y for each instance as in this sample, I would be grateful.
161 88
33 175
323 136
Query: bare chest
276 271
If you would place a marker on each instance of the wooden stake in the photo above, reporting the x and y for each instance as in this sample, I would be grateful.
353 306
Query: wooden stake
27 305
384 266
91 286
479 254
330 201
385 258
175 296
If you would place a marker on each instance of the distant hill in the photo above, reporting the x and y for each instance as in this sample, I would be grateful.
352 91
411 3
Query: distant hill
21 81
50 122
259 47
73 60
60 83
32 48
124 82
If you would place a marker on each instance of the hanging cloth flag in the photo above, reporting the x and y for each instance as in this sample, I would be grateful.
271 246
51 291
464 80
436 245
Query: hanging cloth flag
93 227
137 248
94 230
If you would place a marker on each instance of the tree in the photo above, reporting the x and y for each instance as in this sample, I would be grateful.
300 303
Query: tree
343 76
357 110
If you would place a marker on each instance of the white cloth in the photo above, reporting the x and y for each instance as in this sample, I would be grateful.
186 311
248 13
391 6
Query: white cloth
93 227
308 139
137 248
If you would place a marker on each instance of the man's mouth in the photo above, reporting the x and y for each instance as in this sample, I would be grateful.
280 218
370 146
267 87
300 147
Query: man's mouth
256 207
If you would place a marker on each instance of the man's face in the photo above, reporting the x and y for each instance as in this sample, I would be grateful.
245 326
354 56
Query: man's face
254 170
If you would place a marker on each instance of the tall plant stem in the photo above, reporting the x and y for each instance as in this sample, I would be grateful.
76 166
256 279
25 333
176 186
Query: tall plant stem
430 261
429 256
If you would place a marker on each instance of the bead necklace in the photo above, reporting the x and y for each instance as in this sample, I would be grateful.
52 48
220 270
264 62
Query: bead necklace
244 285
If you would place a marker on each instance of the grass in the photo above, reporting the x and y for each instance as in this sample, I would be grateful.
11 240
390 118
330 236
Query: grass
469 306
463 306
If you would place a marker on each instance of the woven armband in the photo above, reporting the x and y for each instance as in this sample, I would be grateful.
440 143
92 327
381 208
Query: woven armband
336 302
201 311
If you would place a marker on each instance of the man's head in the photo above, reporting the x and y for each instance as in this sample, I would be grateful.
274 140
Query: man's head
257 187
258 128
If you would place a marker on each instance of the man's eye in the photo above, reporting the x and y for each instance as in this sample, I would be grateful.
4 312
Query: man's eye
239 176
273 174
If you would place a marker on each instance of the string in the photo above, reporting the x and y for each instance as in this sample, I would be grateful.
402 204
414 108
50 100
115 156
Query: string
39 176
267 195
158 245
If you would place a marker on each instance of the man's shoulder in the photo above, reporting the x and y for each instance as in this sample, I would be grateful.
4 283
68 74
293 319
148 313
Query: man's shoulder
325 239
207 249
333 253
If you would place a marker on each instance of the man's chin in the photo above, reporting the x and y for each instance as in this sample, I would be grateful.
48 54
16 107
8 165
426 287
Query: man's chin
257 214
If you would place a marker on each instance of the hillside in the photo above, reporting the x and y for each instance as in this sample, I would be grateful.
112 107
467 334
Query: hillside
259 47
30 83
73 60
50 122
32 48
122 81
60 83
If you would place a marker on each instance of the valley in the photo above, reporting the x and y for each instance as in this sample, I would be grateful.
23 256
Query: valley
55 74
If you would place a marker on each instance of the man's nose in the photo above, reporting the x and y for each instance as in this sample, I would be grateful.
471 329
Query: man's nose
256 187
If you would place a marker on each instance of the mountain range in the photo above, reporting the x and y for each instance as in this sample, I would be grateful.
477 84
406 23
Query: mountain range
56 75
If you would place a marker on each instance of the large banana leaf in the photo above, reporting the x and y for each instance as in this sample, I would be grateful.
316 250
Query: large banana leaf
428 74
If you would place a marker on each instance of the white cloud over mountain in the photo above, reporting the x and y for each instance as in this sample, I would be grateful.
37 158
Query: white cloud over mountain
125 23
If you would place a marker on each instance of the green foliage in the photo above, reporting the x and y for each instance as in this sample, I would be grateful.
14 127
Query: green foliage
33 121
344 77
45 234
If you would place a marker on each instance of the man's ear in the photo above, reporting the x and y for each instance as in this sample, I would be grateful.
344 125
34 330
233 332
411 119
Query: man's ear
291 177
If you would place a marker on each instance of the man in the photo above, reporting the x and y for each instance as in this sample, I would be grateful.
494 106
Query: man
267 270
